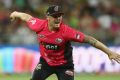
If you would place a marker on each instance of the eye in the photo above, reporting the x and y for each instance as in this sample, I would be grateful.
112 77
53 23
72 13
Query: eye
56 16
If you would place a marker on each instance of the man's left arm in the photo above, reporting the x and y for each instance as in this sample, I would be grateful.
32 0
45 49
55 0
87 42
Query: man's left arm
97 44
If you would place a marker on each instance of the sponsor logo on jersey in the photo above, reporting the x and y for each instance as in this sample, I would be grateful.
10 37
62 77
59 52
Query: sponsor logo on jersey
50 46
38 66
58 40
41 35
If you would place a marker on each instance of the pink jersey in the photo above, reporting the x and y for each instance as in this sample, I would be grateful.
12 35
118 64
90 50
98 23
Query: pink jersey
55 46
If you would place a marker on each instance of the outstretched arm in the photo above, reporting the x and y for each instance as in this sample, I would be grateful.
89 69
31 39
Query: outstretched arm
77 36
101 46
33 23
20 15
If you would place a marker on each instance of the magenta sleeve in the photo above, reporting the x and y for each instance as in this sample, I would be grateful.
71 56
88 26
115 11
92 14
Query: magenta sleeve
35 24
73 35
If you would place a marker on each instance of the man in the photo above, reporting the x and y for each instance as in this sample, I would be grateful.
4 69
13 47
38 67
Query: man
55 48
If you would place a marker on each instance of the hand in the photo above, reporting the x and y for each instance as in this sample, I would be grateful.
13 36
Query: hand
114 56
12 15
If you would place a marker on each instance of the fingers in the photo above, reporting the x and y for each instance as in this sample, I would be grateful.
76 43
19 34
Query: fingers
12 16
12 19
118 56
117 59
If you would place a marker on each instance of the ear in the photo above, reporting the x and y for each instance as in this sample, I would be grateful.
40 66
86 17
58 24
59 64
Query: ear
47 17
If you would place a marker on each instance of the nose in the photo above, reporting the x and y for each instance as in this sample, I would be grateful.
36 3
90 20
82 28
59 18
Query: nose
57 20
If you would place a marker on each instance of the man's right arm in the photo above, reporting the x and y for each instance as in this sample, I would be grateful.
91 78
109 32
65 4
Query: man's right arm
23 16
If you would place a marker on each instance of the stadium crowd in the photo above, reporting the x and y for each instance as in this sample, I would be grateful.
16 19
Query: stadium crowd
98 18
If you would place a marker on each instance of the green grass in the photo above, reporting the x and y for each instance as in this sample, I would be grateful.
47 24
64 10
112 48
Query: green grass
53 77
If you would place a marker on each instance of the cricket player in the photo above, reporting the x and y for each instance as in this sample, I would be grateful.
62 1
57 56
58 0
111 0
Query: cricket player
54 39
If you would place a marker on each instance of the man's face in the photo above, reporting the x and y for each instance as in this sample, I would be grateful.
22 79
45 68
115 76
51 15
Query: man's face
54 21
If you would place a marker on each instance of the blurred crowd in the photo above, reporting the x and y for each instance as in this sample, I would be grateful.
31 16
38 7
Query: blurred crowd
97 18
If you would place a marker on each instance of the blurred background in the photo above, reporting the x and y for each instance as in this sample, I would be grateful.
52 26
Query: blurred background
19 51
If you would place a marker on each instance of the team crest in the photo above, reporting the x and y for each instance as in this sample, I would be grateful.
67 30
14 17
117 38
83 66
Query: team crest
77 36
58 40
56 8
